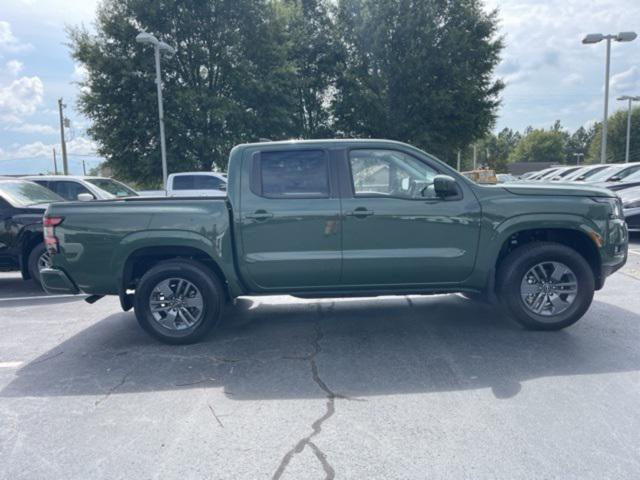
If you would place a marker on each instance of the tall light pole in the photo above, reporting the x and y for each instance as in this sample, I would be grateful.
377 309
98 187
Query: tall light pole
147 38
597 38
578 156
630 100
63 143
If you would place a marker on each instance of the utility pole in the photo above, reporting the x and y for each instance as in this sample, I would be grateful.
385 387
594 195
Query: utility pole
458 160
603 143
84 168
55 163
65 164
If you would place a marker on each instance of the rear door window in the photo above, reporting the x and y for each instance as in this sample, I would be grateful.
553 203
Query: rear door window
294 174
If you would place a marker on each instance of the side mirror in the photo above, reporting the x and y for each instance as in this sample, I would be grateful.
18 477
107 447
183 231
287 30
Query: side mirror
445 186
85 197
615 179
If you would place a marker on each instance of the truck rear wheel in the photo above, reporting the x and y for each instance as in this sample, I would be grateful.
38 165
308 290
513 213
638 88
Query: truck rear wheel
38 259
545 285
178 301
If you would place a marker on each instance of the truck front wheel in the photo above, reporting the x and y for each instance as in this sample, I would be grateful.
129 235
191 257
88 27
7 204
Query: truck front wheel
545 285
178 301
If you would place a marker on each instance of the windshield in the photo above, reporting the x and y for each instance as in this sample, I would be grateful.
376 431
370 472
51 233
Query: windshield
27 194
603 175
568 171
634 176
113 187
577 173
627 172
547 174
590 173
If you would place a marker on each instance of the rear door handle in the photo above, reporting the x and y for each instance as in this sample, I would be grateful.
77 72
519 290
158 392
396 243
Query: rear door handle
360 212
259 215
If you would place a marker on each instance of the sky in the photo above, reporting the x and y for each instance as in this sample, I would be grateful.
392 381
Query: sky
549 74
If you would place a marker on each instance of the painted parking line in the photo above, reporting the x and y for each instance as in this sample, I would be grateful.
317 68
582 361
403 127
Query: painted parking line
10 364
36 297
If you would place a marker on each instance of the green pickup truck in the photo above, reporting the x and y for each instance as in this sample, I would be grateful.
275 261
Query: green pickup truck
337 218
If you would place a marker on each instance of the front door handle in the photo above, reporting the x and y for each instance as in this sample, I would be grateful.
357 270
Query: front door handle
360 212
259 215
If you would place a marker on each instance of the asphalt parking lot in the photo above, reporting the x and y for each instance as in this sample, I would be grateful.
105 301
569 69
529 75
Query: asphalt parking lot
388 388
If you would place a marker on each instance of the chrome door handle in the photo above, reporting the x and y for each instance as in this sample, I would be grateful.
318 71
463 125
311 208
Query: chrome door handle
360 212
259 215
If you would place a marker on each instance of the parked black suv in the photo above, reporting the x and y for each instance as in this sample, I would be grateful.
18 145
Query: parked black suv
22 205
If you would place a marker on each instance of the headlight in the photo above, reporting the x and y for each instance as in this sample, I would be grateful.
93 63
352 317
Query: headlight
615 204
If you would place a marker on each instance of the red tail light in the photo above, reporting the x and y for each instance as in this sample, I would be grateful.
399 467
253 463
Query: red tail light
50 239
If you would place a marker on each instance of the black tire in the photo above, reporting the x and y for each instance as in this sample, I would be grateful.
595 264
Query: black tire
202 278
32 262
516 265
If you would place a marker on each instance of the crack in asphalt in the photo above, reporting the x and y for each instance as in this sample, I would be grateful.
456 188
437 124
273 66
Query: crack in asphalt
316 426
113 389
215 416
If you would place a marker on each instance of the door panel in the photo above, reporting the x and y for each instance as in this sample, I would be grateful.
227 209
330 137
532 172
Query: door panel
408 236
289 221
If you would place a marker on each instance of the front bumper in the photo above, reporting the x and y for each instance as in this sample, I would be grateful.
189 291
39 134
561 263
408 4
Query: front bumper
614 255
57 282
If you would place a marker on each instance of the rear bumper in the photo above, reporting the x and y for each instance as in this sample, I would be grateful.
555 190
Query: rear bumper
57 282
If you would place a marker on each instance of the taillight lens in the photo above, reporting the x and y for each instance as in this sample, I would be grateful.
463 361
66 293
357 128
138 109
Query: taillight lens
50 239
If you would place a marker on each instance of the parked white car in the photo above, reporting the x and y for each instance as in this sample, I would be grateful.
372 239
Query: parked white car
197 184
83 188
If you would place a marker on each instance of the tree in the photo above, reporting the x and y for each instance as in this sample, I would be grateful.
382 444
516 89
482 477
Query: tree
231 81
420 72
617 138
578 144
540 145
315 54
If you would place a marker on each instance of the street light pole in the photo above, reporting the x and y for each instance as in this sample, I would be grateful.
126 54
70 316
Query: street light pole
605 121
158 46
578 157
630 99
163 148
597 38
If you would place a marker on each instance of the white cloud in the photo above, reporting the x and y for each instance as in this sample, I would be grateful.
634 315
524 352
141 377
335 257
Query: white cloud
82 146
573 79
548 71
14 67
31 128
78 146
627 82
30 150
20 98
8 42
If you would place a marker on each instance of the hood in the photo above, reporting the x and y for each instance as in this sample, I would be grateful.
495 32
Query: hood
563 189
